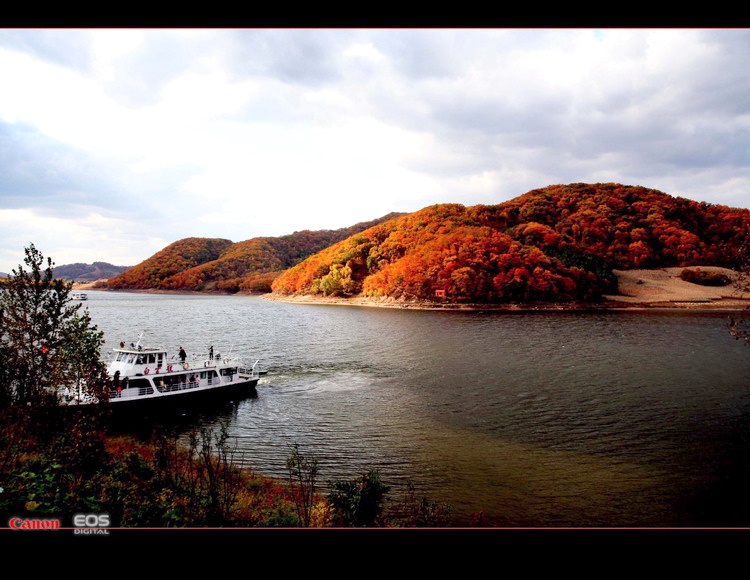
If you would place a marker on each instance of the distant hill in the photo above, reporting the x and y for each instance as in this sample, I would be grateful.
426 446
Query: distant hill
558 243
87 272
175 258
212 264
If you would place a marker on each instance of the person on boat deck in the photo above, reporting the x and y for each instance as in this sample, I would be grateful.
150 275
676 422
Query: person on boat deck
183 355
211 352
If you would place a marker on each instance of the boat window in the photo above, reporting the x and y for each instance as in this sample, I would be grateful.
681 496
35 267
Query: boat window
131 358
151 358
143 386
133 383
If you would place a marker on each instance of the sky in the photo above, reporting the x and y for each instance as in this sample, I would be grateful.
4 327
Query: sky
116 142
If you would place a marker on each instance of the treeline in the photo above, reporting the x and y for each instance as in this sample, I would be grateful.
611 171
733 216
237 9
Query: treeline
210 264
558 243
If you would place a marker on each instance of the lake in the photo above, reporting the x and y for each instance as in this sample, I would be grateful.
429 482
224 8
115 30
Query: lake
518 419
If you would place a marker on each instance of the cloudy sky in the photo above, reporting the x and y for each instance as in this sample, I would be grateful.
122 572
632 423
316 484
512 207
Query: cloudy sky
115 143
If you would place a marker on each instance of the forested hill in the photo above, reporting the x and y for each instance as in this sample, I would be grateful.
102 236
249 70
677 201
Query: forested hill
210 264
87 272
558 243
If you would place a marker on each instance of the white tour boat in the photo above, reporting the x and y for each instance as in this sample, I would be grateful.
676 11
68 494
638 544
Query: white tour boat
146 377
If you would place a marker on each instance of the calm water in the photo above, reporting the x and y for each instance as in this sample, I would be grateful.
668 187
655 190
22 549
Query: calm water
533 419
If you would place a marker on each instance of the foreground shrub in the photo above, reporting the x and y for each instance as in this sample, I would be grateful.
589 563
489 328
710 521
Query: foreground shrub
419 512
161 483
358 502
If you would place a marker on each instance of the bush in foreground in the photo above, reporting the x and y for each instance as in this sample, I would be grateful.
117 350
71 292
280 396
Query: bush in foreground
166 483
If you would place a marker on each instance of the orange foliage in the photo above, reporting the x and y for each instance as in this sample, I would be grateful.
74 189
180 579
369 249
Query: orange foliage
554 244
174 259
207 264
558 243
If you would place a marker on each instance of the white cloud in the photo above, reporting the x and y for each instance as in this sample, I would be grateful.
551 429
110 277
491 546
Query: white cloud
63 239
110 45
166 134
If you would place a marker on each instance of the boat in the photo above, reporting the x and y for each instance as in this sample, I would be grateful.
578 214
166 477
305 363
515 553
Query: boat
146 377
79 296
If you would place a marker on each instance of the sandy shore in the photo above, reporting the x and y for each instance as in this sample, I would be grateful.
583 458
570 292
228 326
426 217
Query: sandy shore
87 285
637 289
664 288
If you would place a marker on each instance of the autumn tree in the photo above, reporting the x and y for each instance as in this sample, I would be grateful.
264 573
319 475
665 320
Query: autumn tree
46 342
558 243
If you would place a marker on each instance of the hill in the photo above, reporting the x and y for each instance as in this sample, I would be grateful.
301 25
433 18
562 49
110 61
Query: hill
212 264
79 272
177 257
558 243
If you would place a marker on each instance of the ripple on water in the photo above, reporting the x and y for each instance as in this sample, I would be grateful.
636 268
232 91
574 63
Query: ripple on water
534 419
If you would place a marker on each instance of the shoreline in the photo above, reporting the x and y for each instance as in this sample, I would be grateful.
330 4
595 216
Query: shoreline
724 305
656 289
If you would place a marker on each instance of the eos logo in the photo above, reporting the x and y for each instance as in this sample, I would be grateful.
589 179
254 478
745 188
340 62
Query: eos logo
91 523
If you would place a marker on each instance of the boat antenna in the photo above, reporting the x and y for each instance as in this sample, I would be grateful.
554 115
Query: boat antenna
140 337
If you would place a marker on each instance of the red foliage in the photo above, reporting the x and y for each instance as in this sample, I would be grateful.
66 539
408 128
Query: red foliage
553 244
207 264
172 260
556 243
120 446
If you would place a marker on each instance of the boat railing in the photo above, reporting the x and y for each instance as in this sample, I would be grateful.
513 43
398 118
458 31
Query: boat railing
133 392
144 390
179 386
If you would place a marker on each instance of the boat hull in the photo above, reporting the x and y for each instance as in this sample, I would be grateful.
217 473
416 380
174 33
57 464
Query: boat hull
177 403
181 401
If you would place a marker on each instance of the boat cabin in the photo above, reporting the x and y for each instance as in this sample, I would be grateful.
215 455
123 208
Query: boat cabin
140 361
